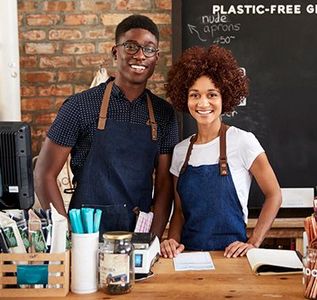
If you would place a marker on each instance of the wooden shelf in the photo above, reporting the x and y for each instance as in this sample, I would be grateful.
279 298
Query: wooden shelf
284 228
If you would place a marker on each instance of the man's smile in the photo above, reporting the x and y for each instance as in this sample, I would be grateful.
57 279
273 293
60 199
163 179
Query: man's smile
138 68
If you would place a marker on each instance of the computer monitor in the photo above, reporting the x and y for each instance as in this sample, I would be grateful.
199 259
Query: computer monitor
16 171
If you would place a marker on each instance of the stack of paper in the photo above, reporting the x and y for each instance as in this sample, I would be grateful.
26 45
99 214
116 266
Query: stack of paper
193 261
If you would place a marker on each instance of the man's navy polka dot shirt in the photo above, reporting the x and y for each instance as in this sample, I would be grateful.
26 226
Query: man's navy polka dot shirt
77 119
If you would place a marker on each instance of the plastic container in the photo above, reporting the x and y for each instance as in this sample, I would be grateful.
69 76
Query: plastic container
84 262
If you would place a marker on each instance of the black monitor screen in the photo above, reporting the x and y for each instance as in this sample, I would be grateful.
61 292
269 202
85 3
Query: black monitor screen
16 172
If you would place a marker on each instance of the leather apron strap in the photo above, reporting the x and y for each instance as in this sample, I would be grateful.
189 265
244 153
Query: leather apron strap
104 111
193 139
104 106
153 124
223 156
223 150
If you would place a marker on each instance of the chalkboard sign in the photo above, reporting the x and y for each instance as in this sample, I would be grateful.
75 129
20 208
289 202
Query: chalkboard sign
276 43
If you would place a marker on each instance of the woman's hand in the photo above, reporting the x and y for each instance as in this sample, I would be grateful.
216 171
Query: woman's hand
170 248
237 248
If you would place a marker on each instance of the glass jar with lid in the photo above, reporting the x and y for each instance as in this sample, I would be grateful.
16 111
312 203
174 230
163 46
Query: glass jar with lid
116 263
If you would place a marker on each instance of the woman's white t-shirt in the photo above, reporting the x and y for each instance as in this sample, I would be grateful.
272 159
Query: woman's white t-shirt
242 149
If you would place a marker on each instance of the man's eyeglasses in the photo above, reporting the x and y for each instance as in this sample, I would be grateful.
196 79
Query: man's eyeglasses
132 48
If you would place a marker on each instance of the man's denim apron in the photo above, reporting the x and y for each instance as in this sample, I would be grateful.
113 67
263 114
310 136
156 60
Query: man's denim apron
117 174
212 211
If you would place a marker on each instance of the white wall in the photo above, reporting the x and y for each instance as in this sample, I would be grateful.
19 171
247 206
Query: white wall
10 106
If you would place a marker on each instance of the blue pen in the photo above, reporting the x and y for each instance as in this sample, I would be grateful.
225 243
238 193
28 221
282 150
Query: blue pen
97 219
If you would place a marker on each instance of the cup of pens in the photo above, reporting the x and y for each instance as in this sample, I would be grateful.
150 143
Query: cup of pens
85 238
310 273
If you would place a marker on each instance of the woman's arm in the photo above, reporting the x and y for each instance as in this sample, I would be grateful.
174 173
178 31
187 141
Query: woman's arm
267 181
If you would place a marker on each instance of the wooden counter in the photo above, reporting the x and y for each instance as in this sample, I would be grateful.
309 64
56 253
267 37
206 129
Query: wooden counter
232 279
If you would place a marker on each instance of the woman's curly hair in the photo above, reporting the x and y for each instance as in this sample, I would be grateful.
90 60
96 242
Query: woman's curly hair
215 62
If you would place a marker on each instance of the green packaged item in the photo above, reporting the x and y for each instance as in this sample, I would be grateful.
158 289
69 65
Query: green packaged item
10 237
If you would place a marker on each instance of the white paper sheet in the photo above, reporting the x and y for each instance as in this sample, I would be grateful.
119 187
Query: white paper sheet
193 261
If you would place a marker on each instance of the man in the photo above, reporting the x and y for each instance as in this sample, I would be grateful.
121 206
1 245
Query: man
118 134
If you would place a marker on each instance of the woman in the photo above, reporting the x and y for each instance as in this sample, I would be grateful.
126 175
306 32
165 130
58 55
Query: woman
211 192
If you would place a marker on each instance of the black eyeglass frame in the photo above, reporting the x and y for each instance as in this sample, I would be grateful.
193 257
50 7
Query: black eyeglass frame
138 49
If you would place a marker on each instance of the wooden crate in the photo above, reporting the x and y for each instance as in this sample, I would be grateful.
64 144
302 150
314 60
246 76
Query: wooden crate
8 267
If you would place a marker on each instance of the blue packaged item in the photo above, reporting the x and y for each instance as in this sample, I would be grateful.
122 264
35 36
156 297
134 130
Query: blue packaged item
87 215
32 274
97 219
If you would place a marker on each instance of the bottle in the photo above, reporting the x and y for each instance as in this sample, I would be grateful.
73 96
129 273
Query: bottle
116 263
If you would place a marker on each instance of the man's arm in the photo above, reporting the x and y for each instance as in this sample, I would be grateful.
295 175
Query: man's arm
51 160
177 220
172 246
163 194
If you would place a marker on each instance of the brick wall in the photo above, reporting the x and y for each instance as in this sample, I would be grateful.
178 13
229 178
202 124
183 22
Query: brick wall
62 45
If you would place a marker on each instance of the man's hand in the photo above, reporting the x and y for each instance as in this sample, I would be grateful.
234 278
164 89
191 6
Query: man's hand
237 248
170 248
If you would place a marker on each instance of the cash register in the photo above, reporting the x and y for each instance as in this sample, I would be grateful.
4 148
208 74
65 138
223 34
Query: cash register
146 253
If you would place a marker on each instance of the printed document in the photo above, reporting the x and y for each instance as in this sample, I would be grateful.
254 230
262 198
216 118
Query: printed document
193 261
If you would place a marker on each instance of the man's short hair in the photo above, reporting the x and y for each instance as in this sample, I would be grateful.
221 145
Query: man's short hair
136 21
